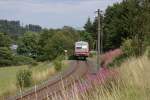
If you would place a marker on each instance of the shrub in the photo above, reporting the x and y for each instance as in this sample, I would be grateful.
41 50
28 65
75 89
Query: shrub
118 60
148 52
34 63
22 60
6 57
130 47
24 78
92 53
147 41
5 62
58 63
71 57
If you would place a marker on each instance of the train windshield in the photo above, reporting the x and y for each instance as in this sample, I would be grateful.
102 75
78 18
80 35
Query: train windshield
82 47
79 47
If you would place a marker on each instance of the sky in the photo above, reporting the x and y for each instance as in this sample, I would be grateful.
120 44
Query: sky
52 13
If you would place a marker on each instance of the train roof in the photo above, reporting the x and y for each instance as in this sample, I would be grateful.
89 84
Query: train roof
81 42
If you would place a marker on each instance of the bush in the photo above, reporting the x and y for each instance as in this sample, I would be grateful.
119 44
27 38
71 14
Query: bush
148 52
130 47
58 63
92 53
118 60
147 41
24 78
22 60
72 57
34 63
6 56
5 62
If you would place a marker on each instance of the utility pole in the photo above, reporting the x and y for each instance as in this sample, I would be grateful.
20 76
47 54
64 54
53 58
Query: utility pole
99 41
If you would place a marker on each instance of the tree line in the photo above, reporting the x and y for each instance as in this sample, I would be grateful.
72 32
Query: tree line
37 46
127 21
14 28
125 25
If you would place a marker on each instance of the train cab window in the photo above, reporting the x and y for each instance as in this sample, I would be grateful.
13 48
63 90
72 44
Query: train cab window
84 47
79 47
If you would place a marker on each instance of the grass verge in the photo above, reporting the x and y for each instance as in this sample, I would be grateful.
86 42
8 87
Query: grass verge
133 83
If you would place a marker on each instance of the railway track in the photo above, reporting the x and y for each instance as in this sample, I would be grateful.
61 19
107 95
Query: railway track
76 71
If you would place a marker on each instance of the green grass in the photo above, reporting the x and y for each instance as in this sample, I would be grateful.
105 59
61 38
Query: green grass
8 75
40 73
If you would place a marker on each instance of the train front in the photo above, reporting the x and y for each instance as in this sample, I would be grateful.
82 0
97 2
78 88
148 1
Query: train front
81 49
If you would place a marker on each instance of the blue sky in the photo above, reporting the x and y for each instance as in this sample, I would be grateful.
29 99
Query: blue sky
52 13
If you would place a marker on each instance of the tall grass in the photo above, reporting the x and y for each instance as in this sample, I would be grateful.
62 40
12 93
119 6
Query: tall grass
39 76
40 73
132 83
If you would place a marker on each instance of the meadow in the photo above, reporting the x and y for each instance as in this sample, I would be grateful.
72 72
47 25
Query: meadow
40 72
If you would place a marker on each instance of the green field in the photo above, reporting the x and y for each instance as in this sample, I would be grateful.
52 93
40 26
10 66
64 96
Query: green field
40 73
8 75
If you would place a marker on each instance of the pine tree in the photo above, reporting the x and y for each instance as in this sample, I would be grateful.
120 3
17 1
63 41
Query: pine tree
88 26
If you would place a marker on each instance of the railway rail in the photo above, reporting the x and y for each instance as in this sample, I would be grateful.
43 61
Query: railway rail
76 71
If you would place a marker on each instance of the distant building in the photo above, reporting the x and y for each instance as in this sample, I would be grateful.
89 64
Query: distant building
14 47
